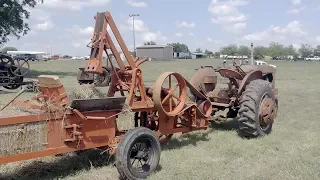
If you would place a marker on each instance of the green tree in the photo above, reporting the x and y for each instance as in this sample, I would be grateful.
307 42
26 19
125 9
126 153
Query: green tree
179 47
198 50
150 43
6 49
208 53
275 50
290 51
317 51
244 50
229 50
305 50
217 54
259 52
13 18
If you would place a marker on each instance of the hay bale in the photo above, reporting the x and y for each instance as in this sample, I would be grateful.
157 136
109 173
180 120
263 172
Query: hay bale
85 91
23 138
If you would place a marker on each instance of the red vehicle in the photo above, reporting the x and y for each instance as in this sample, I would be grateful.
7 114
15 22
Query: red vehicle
55 56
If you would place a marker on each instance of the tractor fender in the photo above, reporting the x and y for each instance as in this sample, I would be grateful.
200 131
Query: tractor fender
253 75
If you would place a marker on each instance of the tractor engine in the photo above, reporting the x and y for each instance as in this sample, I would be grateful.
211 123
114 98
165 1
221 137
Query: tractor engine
205 80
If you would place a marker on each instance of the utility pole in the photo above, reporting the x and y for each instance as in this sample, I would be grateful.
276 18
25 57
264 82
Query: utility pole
251 53
134 37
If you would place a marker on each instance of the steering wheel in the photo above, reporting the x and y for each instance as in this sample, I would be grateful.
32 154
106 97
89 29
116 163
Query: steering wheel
234 63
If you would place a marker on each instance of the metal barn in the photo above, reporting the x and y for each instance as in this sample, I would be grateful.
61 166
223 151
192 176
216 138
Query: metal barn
156 52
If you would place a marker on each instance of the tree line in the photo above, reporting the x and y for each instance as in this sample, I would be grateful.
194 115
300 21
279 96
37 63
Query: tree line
273 50
14 16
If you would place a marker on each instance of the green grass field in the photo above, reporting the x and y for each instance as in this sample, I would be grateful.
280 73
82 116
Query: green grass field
291 151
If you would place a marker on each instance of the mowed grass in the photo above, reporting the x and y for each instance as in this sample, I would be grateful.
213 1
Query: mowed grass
291 151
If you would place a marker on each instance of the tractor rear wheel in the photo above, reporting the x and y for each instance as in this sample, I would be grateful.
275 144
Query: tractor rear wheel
138 153
258 109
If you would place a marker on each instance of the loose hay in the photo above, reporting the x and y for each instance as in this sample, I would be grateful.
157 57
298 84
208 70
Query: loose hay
23 138
85 91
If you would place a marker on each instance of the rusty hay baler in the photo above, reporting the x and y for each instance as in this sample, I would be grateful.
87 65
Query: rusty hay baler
159 112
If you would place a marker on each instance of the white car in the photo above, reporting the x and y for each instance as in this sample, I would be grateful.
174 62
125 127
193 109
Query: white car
259 63
77 58
313 58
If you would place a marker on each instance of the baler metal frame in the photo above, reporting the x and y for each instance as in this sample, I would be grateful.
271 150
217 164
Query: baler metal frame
91 123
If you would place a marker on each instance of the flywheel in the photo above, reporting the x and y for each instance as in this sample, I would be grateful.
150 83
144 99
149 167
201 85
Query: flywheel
170 93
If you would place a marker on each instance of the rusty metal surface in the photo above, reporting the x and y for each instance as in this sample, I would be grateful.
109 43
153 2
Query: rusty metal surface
111 103
166 97
230 73
253 75
267 111
84 77
219 95
204 78
92 123
263 69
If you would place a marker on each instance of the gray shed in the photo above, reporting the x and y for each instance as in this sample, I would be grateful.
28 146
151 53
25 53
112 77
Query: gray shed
156 52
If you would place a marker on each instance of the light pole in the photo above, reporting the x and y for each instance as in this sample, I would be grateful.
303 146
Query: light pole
134 38
251 53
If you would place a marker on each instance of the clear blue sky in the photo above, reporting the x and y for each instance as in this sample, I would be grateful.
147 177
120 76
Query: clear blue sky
67 25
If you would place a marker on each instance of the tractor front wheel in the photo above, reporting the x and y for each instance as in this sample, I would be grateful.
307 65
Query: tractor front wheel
138 153
258 109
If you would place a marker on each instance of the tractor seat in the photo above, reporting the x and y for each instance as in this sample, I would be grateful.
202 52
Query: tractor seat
228 73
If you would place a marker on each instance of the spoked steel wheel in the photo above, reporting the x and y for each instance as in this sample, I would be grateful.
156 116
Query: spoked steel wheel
141 155
138 153
20 68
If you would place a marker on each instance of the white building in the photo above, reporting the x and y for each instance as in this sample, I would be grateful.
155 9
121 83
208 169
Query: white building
25 52
182 55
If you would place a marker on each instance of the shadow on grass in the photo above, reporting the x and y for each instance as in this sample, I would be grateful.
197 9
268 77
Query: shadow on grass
4 91
62 166
35 73
230 124
72 163
187 139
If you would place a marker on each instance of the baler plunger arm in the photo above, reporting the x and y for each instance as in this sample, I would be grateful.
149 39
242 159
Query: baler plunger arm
124 78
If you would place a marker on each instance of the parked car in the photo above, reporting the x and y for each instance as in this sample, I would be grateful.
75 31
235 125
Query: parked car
55 57
260 63
67 57
77 58
313 58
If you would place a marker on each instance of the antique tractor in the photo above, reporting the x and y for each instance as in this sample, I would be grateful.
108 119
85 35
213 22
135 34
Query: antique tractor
250 95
